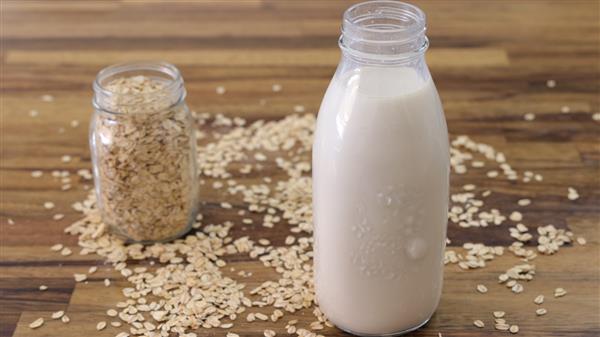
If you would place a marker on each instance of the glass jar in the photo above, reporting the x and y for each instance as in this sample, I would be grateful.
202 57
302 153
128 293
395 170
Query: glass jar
380 176
143 152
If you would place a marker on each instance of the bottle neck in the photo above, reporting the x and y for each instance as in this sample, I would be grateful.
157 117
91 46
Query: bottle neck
384 32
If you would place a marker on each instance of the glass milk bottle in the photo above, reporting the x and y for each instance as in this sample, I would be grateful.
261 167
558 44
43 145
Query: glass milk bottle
380 176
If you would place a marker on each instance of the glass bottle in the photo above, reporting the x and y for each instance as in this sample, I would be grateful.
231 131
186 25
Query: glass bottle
143 151
380 176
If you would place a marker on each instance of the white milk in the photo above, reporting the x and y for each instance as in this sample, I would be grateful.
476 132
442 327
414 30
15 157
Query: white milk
380 189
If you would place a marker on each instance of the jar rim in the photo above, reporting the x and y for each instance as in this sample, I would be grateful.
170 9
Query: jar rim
171 75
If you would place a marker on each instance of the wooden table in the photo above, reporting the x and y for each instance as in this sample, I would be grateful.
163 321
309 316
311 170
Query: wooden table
491 61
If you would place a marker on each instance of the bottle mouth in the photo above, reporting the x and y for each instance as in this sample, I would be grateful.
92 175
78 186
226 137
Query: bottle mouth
384 28
173 90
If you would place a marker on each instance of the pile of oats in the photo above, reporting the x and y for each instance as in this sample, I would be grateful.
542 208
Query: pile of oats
144 152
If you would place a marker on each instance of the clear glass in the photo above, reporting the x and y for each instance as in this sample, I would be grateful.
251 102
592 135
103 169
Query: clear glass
380 177
144 154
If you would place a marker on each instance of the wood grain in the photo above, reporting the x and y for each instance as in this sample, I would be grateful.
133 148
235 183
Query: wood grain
490 60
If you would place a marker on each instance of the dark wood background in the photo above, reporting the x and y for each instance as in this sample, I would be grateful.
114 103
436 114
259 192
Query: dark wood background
490 60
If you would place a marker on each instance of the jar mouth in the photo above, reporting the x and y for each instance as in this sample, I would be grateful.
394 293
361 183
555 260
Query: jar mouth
387 28
160 70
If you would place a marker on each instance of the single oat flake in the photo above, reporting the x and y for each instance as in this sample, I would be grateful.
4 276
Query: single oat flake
37 323
57 314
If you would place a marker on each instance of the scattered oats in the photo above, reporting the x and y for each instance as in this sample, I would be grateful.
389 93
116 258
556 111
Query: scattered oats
529 116
112 312
189 270
122 334
502 326
565 109
299 108
34 113
65 158
524 202
58 216
116 324
516 216
276 87
56 247
74 123
106 282
43 287
65 319
596 116
539 299
260 157
499 314
269 333
469 187
37 173
517 288
65 251
80 277
492 174
551 83
581 240
522 228
482 288
479 323
37 323
550 239
47 98
559 292
541 311
48 205
10 221
573 194
220 90
57 314
514 328
101 325
92 269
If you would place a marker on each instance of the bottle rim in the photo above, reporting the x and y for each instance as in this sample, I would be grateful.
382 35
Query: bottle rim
385 29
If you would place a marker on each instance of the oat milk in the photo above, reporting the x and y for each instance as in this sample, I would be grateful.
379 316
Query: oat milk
380 194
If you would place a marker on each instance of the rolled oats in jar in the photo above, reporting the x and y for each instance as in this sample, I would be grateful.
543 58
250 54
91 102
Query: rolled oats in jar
143 151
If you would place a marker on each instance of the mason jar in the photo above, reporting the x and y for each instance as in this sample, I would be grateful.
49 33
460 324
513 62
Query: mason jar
380 177
143 151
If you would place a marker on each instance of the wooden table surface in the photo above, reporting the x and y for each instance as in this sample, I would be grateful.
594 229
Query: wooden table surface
490 59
